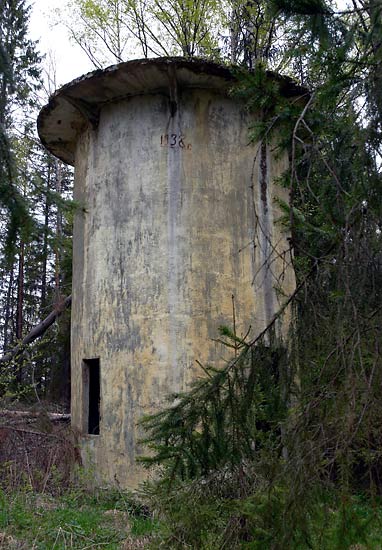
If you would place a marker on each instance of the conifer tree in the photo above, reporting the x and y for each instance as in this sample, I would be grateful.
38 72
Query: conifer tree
19 74
261 469
35 257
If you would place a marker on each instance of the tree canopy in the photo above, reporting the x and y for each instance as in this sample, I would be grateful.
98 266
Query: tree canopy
19 74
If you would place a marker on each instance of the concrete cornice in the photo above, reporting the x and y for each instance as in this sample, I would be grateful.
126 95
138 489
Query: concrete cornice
76 105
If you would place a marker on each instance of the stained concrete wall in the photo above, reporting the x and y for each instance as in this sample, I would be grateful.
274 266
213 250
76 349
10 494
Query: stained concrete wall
177 215
171 230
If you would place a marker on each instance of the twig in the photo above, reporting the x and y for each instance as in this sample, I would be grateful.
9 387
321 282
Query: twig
29 414
31 432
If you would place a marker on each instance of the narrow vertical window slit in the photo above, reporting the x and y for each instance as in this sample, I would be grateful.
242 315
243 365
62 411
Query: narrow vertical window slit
92 395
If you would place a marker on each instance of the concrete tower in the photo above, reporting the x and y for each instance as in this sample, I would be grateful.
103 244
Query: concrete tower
177 221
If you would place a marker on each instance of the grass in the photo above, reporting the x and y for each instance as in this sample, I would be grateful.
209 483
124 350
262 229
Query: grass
76 520
112 520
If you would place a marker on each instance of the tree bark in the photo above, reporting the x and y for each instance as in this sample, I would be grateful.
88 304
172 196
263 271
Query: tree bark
31 414
45 242
20 294
7 314
58 249
20 306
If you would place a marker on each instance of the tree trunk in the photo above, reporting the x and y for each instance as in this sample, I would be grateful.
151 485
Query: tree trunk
8 305
37 331
57 264
45 242
20 294
59 384
20 307
374 9
234 35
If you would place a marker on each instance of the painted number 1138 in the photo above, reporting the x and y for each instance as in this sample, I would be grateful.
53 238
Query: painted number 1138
174 141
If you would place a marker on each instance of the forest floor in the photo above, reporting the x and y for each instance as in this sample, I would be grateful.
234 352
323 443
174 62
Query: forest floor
45 499
75 520
48 501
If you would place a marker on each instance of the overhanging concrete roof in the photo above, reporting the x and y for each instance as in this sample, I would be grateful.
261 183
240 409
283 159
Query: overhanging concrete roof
77 104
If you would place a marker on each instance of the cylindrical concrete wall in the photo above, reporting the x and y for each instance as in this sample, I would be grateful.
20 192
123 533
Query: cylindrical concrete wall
177 222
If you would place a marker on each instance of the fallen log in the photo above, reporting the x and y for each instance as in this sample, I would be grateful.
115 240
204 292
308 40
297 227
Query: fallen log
33 414
38 330
30 432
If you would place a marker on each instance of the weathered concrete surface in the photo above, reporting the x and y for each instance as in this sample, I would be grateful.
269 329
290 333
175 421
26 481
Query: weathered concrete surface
172 228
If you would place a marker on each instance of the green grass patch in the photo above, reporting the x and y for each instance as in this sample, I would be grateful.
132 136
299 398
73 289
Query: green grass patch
112 520
73 521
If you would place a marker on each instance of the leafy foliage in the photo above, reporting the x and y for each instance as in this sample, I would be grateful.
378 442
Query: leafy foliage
313 423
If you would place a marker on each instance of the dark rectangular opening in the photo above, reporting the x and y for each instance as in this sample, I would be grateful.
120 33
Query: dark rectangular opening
92 391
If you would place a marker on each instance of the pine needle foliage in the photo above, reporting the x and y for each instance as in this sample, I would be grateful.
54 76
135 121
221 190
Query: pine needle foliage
308 439
19 77
227 417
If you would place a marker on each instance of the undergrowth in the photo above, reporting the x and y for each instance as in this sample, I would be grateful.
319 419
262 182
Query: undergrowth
239 470
273 451
194 515
76 519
